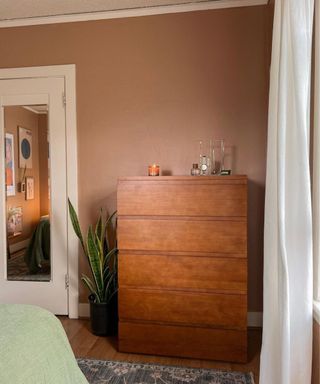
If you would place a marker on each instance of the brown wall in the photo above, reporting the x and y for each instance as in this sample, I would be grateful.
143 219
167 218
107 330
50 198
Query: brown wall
316 353
148 88
15 117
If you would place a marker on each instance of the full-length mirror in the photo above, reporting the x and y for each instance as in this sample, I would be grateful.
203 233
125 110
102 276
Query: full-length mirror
27 177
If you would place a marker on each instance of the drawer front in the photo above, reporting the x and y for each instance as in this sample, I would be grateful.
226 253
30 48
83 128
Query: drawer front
177 307
183 272
188 199
211 236
203 343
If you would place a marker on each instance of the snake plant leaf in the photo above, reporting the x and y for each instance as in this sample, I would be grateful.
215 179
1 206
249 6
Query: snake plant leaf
107 224
75 224
107 274
99 226
112 294
95 261
109 219
100 249
90 285
107 290
115 260
100 231
108 257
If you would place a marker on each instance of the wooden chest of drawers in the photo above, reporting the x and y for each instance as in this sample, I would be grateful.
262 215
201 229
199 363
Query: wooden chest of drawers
183 266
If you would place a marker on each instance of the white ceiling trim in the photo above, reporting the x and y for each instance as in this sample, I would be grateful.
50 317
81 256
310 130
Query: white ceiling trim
38 109
146 11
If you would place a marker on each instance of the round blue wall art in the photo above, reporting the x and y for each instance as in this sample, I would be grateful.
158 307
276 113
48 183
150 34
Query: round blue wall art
25 149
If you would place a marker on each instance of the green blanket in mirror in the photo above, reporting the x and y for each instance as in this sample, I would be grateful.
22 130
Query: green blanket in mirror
39 246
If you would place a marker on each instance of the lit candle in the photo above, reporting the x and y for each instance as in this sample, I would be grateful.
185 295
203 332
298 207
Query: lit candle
153 170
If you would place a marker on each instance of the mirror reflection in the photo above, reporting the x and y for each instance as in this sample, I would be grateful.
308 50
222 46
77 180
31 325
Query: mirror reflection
27 176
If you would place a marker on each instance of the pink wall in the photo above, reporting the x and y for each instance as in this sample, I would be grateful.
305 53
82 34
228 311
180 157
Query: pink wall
149 87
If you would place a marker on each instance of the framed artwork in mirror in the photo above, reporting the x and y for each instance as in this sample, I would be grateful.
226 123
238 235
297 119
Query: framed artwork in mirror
25 148
9 159
29 188
14 221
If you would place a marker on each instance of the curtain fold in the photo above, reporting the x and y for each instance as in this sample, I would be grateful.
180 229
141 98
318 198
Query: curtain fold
287 318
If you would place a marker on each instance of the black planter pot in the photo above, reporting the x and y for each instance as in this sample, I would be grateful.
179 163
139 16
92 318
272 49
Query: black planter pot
104 317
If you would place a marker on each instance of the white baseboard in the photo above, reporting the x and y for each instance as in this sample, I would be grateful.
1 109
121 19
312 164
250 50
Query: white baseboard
18 246
254 318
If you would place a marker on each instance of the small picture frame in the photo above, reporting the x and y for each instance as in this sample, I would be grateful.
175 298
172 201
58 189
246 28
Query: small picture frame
29 188
14 221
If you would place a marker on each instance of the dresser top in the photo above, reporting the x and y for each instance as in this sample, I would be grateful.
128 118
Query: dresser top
231 177
197 179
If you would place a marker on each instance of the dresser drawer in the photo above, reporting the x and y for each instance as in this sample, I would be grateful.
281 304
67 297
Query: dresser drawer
195 198
213 236
183 272
178 307
200 343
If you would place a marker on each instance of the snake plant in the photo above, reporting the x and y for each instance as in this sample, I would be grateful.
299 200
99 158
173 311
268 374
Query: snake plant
102 260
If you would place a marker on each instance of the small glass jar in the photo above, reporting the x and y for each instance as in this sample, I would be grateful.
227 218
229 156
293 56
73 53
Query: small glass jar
195 171
153 170
205 168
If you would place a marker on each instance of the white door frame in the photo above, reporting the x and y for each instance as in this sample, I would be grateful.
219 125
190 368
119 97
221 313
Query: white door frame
68 72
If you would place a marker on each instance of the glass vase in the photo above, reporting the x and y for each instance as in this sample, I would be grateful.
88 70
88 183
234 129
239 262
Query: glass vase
217 156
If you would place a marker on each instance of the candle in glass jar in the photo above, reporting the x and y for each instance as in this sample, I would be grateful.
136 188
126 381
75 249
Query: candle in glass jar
153 170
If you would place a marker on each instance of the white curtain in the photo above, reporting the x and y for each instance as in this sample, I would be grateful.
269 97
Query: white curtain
287 317
316 157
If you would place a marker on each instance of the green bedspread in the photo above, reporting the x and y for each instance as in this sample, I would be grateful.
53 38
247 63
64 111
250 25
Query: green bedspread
39 246
34 348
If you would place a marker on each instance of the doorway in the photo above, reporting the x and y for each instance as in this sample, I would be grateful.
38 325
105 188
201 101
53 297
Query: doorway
38 164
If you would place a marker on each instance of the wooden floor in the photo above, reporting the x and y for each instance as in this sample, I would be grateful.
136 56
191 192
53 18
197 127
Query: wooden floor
85 344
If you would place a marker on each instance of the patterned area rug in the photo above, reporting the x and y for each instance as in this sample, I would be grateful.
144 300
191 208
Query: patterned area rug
116 372
18 269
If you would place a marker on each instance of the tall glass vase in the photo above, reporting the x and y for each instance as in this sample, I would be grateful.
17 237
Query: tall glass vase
217 156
